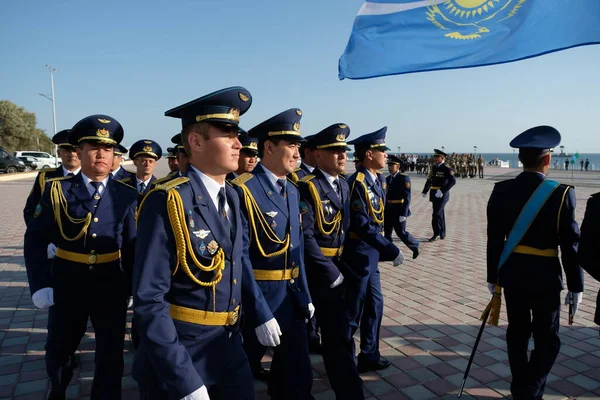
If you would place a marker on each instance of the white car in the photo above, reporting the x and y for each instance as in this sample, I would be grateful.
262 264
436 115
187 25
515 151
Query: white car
43 159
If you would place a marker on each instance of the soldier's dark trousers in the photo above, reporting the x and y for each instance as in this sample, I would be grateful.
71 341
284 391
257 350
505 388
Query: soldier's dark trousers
100 295
438 219
530 313
392 222
236 382
290 377
338 347
364 302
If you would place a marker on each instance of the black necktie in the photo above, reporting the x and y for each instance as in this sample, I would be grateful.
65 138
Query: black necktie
282 183
336 187
222 211
70 174
142 187
96 196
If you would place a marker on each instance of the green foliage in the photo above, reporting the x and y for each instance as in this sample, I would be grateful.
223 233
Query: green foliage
18 130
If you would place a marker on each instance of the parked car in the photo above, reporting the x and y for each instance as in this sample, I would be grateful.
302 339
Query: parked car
43 159
30 163
10 164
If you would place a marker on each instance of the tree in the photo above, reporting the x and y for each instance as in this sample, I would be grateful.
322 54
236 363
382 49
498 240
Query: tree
18 130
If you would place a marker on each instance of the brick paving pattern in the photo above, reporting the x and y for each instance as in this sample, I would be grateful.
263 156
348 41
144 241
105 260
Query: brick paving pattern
432 307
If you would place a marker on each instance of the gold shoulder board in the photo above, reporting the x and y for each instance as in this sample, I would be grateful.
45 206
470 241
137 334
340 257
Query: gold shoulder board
127 185
125 180
243 178
160 180
360 177
307 178
292 181
172 184
60 178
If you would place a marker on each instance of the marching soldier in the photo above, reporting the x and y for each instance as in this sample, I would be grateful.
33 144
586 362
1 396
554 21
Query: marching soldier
308 163
248 156
480 165
325 210
529 217
193 267
440 181
397 205
144 153
70 166
365 246
270 203
91 219
117 171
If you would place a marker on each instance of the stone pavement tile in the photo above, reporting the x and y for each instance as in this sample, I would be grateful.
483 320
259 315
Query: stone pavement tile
392 396
457 379
585 346
497 354
13 359
418 392
422 375
584 382
425 359
15 341
484 393
576 365
405 363
501 386
401 380
482 360
441 387
443 369
562 371
18 349
483 375
31 396
447 341
590 360
7 391
8 379
34 365
566 387
14 334
571 351
30 387
33 375
500 369
459 363
378 387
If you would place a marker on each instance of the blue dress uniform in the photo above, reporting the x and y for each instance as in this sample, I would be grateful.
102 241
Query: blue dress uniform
397 204
190 276
249 146
95 239
146 148
440 178
589 244
365 246
531 276
325 222
276 253
304 168
61 140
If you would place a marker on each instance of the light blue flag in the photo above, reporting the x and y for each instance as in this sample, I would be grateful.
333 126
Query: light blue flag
402 36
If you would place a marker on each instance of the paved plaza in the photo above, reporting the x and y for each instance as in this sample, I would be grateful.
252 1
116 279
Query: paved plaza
432 310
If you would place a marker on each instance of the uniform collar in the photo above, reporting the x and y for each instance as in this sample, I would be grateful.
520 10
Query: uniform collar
308 167
212 187
87 181
67 172
146 182
271 176
329 178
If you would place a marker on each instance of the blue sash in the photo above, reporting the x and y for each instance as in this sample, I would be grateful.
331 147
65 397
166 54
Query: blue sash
528 214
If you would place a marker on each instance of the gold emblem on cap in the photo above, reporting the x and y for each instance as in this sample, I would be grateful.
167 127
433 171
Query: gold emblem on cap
342 126
148 141
103 132
296 126
253 145
243 97
104 121
235 113
147 148
341 137
299 112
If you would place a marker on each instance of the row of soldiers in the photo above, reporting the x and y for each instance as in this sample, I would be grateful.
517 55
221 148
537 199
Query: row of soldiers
209 261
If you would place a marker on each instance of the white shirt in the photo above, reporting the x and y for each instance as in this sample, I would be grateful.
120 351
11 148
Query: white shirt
67 172
146 182
273 178
116 170
373 176
330 179
310 169
212 187
91 188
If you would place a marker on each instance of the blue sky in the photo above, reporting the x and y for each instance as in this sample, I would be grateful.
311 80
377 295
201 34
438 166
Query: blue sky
134 59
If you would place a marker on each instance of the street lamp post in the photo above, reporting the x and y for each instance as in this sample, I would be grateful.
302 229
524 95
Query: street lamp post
443 148
475 150
399 147
51 98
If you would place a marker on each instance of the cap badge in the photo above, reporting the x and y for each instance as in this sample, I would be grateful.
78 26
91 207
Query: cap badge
147 148
148 141
103 132
341 137
342 126
296 126
104 121
299 112
243 97
253 145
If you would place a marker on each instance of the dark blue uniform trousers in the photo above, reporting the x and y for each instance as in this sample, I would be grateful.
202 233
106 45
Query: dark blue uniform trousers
235 384
101 296
438 220
393 223
290 377
537 313
338 347
364 302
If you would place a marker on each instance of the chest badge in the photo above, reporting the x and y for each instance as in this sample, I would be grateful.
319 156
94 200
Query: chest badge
212 247
201 234
272 214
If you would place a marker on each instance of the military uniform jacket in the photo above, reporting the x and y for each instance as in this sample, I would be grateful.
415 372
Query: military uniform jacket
125 176
38 190
325 222
365 244
398 191
553 226
187 355
111 228
589 244
441 177
299 173
287 298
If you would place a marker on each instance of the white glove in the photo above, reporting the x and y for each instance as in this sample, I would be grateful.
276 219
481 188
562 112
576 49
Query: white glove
423 195
402 219
199 394
577 298
439 194
130 302
491 287
268 333
311 309
337 282
51 251
43 298
399 260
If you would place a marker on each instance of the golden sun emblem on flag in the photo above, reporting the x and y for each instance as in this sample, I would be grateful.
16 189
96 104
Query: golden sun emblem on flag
470 19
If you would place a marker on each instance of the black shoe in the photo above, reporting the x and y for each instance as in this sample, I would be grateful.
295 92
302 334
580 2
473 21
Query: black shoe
415 253
442 237
433 238
366 366
261 375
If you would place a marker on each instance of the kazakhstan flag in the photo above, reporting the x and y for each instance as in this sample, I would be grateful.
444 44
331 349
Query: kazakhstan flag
401 36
